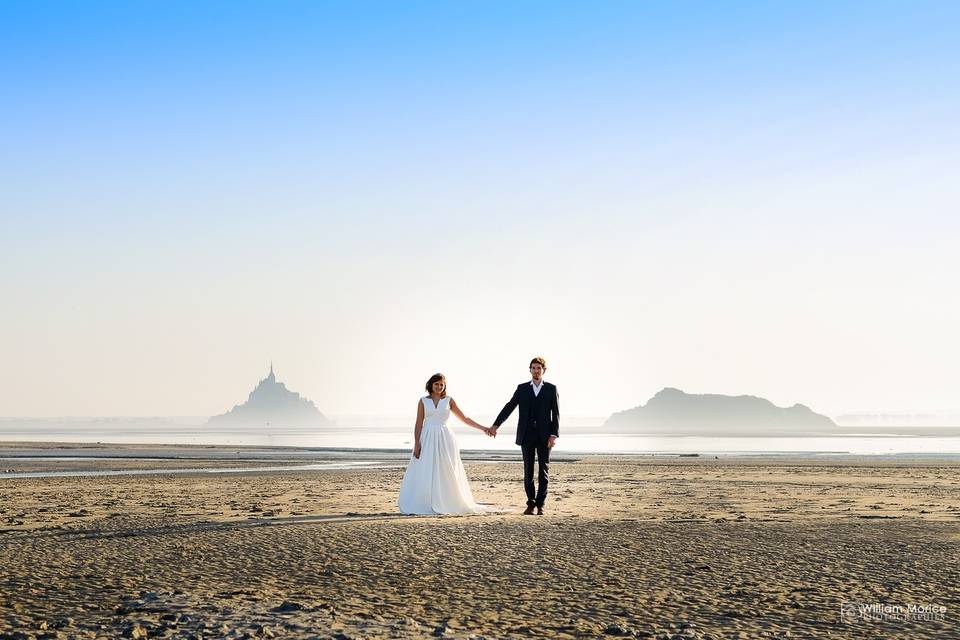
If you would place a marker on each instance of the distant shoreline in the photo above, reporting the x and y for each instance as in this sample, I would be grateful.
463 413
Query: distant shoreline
594 426
91 451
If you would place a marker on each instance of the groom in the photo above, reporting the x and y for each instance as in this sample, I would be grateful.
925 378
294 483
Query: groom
537 430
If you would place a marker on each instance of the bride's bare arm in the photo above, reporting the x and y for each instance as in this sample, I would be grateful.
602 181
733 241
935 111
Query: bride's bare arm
418 428
469 421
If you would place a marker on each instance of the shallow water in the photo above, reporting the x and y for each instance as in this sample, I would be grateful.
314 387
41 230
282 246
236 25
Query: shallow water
573 438
320 466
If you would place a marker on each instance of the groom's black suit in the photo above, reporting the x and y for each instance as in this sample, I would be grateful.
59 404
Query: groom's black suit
539 419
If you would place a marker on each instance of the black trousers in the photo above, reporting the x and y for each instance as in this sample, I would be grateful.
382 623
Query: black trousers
542 454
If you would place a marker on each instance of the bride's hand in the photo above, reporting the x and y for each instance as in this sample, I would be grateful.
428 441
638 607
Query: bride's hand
416 451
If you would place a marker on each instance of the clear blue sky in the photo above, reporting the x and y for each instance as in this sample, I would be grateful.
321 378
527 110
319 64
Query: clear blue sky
724 197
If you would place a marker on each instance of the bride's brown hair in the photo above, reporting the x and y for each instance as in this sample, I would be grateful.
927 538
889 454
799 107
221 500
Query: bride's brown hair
436 378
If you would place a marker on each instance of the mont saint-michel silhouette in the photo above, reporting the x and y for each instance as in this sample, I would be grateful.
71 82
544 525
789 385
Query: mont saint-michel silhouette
271 403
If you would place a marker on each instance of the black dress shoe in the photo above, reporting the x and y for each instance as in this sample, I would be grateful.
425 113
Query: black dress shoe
539 511
529 510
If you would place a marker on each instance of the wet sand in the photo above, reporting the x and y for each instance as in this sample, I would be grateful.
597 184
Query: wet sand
662 547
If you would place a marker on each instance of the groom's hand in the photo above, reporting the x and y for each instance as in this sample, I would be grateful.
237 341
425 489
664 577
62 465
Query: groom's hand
492 432
552 441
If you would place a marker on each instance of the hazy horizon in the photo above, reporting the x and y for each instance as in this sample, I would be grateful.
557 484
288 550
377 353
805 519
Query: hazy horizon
731 199
848 418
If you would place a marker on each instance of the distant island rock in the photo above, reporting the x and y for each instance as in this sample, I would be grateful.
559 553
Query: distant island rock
672 410
271 403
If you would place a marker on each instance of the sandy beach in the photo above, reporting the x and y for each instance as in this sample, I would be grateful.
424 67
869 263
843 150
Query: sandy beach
630 546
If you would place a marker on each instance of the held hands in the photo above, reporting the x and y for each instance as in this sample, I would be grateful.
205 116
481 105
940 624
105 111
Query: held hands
490 431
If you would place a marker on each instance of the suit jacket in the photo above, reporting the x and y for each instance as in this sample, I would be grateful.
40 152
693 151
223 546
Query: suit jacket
539 414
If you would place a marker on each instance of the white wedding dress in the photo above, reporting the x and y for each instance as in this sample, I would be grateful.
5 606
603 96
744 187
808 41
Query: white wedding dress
436 482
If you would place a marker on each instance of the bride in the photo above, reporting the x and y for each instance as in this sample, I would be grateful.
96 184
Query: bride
435 481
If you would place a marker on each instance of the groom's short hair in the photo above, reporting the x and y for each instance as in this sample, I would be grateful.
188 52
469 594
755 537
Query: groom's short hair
540 361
